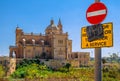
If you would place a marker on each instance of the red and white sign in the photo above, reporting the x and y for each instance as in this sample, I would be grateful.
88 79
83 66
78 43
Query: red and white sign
96 13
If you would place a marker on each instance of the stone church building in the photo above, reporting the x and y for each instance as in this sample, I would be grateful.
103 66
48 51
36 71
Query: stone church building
54 44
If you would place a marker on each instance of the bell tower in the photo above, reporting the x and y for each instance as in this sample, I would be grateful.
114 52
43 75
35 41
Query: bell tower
60 26
18 35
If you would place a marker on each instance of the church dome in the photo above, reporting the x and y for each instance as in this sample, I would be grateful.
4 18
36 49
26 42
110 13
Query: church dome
52 26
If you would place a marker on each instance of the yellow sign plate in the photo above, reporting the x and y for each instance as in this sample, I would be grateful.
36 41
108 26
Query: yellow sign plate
106 41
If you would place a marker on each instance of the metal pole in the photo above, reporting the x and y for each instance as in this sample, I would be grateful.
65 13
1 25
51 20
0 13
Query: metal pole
98 71
97 0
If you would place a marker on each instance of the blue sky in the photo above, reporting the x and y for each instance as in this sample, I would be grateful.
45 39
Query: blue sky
35 15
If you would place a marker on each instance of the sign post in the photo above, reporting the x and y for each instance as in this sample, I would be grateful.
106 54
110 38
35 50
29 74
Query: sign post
98 71
97 35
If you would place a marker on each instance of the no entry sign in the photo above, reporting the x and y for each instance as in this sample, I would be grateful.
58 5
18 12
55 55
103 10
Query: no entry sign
96 13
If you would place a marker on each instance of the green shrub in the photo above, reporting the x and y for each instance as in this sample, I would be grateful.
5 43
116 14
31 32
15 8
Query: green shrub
2 72
63 69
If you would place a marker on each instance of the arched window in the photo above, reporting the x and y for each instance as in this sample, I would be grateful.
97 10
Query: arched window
13 55
24 40
42 41
33 40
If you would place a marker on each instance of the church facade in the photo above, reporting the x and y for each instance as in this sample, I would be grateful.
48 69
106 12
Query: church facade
54 44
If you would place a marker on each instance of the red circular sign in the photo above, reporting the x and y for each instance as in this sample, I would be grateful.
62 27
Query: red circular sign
96 13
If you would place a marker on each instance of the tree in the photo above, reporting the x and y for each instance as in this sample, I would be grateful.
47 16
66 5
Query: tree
67 66
103 61
114 57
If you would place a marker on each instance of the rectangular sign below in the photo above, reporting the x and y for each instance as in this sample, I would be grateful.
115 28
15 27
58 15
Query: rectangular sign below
106 41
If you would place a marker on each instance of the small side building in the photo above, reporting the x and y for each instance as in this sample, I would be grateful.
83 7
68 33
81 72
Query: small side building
82 57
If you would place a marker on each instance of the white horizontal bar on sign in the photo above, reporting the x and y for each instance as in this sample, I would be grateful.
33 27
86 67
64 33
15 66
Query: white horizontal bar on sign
95 13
